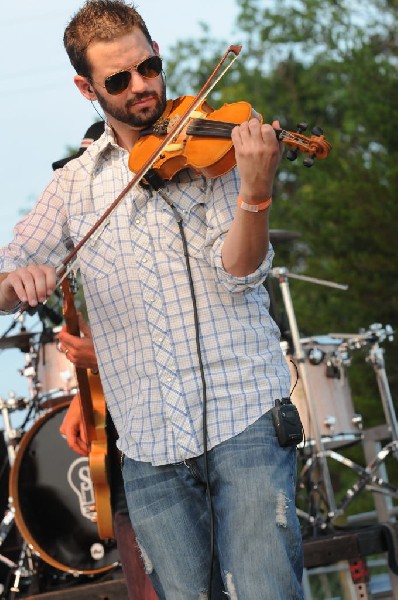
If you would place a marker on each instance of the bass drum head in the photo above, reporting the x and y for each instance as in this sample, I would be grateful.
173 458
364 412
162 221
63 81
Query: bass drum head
52 493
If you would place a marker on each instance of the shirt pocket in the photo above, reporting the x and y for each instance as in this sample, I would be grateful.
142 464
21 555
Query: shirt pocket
97 256
194 223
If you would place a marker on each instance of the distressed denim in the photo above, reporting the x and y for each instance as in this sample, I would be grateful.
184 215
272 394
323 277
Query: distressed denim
258 546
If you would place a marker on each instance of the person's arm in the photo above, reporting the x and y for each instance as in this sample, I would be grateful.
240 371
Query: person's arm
258 154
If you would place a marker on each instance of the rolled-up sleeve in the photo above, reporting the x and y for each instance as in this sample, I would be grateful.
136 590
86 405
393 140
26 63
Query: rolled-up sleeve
237 285
221 207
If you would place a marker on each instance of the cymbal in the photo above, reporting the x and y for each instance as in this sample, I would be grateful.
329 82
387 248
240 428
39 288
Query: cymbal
20 340
277 236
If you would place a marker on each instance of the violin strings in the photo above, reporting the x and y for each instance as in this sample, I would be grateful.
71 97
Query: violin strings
208 128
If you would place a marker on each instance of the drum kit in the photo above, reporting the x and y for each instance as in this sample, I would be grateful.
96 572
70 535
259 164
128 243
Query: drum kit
46 519
321 391
46 500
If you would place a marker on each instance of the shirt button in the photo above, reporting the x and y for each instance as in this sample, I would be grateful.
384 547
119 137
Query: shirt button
137 221
160 340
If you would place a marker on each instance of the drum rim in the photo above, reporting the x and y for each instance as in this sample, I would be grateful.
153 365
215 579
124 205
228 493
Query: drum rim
15 501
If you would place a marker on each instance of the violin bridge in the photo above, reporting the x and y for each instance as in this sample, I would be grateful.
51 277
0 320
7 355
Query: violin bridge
173 148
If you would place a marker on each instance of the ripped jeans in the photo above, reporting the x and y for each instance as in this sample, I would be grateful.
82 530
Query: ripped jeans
258 546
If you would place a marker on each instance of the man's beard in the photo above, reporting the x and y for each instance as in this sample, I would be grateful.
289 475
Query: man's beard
146 117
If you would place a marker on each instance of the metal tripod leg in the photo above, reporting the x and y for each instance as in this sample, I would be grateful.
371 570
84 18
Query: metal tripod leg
376 359
22 571
368 477
319 449
6 525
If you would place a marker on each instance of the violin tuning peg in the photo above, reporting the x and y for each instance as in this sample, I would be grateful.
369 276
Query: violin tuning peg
309 161
301 127
317 131
291 155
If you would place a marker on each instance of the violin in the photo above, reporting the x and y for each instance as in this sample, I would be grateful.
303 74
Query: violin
205 144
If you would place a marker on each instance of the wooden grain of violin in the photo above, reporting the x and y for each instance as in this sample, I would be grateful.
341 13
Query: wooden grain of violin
205 144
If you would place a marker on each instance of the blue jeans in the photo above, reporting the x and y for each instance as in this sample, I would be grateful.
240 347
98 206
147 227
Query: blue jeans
258 545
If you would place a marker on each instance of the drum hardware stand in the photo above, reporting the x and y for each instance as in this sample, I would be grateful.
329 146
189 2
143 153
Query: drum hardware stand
282 275
375 335
376 359
367 478
373 437
12 437
21 571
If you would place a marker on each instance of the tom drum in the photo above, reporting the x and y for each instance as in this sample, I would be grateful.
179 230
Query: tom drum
329 388
55 374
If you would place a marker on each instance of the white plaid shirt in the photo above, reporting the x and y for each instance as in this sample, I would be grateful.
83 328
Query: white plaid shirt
140 307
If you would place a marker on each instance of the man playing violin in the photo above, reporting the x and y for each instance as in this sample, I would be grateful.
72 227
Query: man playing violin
188 354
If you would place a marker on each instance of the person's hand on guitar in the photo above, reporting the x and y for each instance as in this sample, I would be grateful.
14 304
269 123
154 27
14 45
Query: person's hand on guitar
72 429
79 350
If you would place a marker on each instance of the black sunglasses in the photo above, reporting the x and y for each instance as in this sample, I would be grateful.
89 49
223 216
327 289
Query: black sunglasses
119 82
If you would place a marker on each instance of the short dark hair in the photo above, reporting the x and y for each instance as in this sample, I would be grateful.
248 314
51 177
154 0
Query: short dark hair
99 20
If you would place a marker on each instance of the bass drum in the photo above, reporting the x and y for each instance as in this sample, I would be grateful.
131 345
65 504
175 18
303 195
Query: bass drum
52 492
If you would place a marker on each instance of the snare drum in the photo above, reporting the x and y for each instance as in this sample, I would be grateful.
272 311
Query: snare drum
339 424
51 492
55 374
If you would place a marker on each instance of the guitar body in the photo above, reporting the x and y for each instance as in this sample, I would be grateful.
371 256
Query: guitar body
93 411
98 460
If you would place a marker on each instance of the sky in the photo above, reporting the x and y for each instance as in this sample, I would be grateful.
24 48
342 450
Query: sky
43 114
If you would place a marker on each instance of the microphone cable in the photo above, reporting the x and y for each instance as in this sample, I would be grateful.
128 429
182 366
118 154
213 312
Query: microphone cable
179 220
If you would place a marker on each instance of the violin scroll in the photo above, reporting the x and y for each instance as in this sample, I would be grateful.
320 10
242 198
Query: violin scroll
315 146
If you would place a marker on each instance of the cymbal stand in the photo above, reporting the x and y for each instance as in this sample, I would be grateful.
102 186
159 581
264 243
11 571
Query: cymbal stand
282 275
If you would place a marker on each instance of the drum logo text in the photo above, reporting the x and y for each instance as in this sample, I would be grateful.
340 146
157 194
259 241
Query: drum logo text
80 481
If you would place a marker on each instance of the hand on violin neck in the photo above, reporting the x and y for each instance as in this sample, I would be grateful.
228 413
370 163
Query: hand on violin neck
258 154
